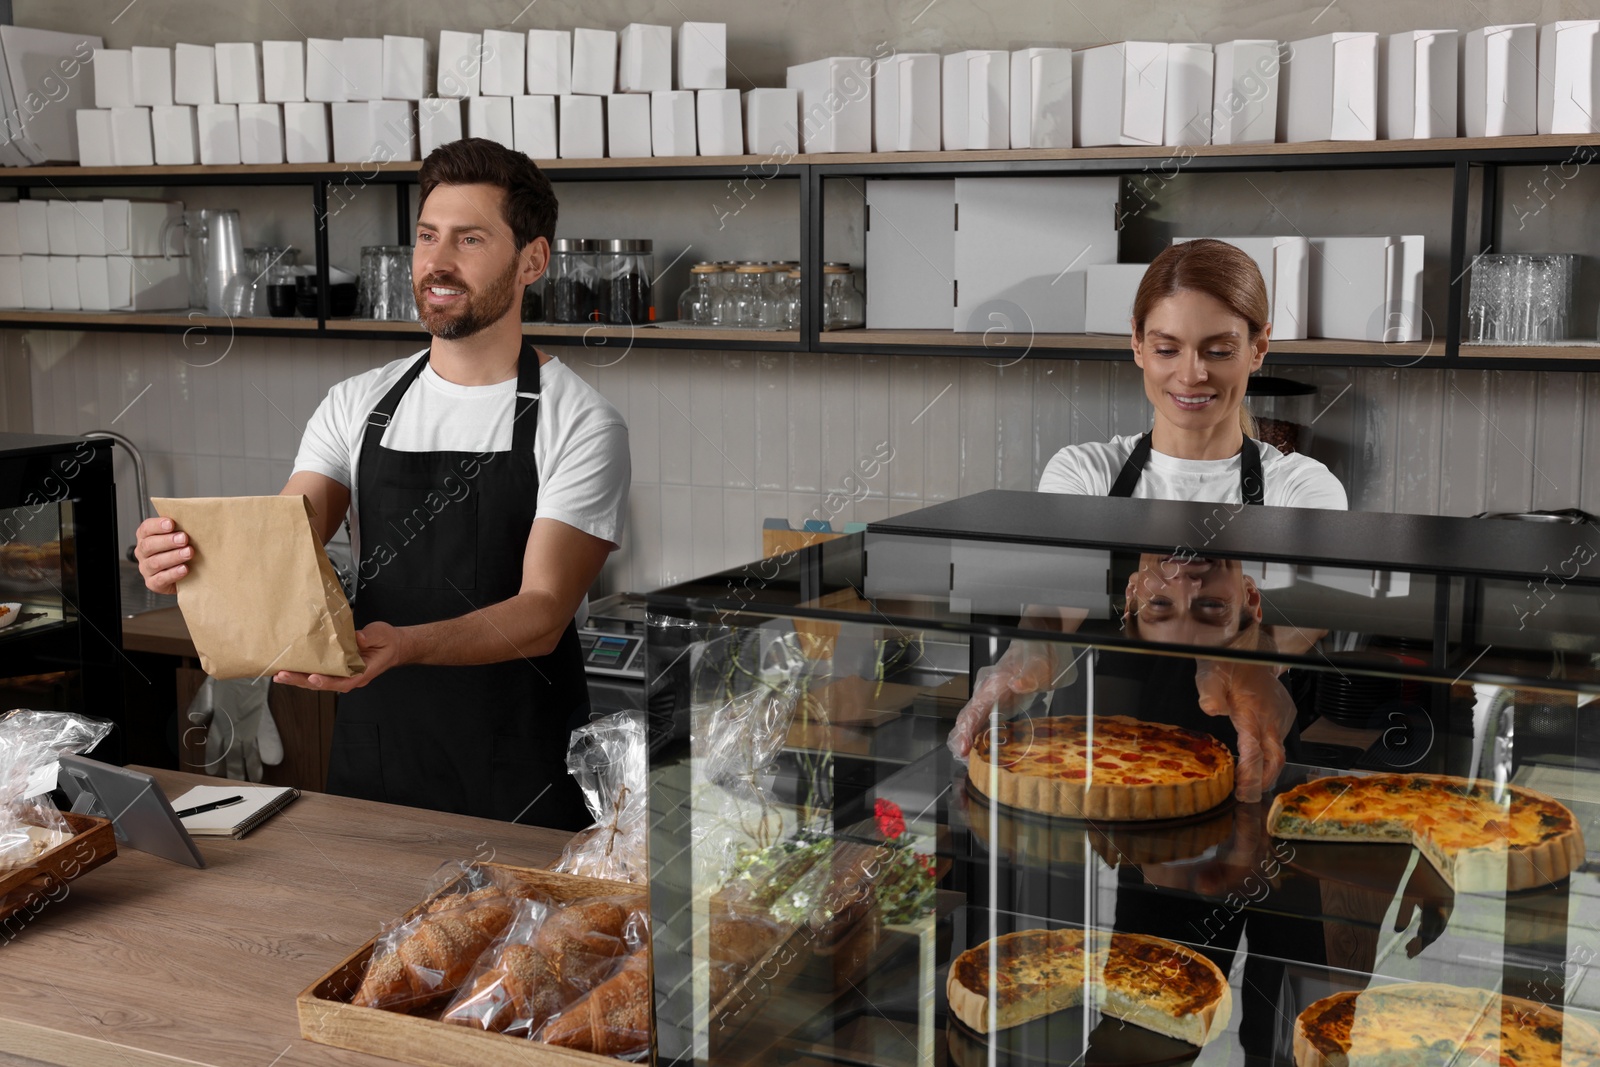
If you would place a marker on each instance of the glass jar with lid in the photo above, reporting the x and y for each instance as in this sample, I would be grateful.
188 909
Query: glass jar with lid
843 307
626 267
789 310
572 295
697 305
749 295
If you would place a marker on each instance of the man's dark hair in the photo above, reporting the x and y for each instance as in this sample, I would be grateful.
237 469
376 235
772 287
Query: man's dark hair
530 208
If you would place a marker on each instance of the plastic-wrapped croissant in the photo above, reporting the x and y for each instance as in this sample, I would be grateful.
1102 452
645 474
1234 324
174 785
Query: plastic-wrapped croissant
514 996
432 955
614 1019
583 940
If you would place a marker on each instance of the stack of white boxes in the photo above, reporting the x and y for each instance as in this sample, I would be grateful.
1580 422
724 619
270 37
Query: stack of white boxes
91 255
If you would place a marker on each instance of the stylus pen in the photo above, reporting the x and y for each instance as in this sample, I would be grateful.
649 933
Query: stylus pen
215 804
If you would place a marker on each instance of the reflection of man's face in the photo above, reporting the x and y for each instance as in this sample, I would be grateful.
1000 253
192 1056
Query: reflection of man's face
1191 601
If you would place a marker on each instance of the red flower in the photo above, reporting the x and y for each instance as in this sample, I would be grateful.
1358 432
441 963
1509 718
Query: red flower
891 823
929 862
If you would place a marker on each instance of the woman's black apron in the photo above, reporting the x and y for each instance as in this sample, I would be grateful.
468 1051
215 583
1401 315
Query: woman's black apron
486 740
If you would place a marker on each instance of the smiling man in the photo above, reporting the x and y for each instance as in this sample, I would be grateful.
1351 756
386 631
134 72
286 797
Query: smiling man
485 484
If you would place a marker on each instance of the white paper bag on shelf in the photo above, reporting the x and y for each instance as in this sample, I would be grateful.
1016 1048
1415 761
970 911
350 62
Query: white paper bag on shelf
439 122
703 55
1244 103
772 123
835 103
130 137
1109 289
11 288
490 117
505 63
1189 94
549 62
325 80
1367 288
910 242
1041 98
1417 85
238 73
582 127
1119 93
394 129
405 68
363 68
976 100
152 76
90 219
148 283
33 227
594 62
219 133
10 229
352 132
533 126
63 223
94 289
95 144
36 283
906 113
719 122
283 71
1499 81
306 137
176 136
261 133
460 63
194 74
1328 89
136 227
1285 265
63 271
1569 85
113 78
628 126
645 65
673 122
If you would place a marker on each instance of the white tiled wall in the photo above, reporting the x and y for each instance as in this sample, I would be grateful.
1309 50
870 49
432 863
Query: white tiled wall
722 440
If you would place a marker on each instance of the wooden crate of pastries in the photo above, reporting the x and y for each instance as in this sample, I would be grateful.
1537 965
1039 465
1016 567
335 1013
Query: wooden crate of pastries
42 878
328 1017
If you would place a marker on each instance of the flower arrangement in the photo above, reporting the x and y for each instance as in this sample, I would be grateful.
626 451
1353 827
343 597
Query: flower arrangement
908 883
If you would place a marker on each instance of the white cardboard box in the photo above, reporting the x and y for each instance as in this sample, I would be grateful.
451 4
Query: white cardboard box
152 76
405 68
906 115
63 222
238 73
1328 89
505 63
1499 81
363 68
176 135
1367 288
10 231
306 138
439 122
628 126
113 77
720 123
260 133
582 128
1417 84
533 127
218 126
352 132
460 63
1569 86
645 65
1019 240
1189 94
394 129
835 103
549 62
325 81
94 290
283 71
148 283
130 137
90 218
1109 289
63 272
10 281
136 227
594 62
772 122
703 55
673 119
194 74
1285 265
95 143
1244 102
977 100
36 282
911 248
1119 93
1041 98
490 117
33 227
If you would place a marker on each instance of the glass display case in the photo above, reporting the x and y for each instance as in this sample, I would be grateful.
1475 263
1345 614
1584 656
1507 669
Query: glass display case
821 860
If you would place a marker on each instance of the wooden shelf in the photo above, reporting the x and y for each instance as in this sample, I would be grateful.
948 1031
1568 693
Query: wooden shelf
1013 343
1575 350
163 319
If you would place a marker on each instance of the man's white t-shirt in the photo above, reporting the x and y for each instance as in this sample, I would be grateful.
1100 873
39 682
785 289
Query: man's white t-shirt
1293 481
580 449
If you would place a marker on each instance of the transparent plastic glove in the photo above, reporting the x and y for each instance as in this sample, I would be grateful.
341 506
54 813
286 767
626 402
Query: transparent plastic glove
241 735
1262 712
1027 668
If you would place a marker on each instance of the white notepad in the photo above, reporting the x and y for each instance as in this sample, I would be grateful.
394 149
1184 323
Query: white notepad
260 803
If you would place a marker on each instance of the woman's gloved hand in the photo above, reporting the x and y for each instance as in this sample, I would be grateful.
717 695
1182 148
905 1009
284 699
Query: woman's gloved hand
1262 711
1027 668
241 736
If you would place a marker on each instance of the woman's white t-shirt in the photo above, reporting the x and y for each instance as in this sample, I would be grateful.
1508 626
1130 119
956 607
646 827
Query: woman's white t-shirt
1293 481
580 449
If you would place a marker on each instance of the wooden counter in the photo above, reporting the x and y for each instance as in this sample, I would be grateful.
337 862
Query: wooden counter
146 962
162 631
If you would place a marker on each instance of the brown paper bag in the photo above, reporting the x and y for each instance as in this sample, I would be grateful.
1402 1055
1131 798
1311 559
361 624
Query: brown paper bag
261 595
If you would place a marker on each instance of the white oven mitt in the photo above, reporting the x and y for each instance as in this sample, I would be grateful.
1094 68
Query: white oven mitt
241 735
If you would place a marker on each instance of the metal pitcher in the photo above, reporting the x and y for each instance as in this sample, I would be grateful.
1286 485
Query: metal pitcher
214 242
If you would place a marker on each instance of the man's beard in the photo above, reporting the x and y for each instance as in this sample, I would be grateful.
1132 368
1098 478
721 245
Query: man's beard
474 312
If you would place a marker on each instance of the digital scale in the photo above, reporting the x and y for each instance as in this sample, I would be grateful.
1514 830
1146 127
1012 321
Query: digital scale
612 655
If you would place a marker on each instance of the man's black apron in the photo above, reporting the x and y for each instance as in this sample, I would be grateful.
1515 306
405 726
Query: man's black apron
485 740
